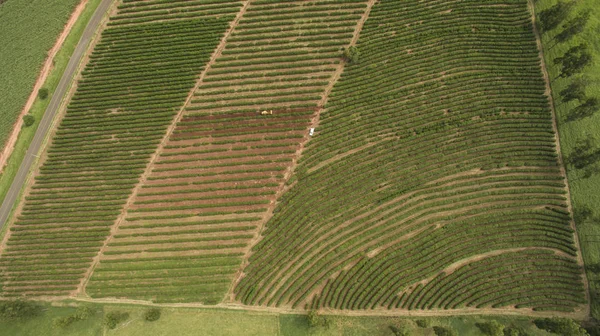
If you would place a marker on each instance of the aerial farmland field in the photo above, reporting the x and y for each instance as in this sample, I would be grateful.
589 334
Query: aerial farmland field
340 156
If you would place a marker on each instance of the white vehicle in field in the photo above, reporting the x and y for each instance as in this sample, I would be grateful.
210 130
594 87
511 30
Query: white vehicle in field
311 132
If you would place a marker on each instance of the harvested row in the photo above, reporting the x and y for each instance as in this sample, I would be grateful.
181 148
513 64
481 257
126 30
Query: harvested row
137 78
221 168
434 150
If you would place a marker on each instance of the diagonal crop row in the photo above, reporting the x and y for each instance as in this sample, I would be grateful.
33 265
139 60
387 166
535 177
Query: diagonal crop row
220 170
137 78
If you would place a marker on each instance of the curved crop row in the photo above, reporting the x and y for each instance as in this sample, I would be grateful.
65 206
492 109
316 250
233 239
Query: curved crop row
432 171
137 78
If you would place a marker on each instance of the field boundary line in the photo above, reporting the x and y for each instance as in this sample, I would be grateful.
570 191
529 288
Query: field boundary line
381 312
47 67
540 46
314 122
142 180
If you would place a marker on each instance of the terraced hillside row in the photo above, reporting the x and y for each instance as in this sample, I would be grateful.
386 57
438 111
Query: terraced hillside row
432 181
136 80
196 214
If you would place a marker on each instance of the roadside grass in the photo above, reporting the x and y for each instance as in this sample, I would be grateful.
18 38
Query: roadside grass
225 322
39 106
583 191
28 29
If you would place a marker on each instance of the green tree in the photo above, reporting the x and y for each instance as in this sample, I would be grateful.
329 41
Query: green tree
573 27
584 110
550 18
351 55
594 268
561 326
574 60
19 310
152 314
575 90
581 213
43 93
491 328
585 153
28 120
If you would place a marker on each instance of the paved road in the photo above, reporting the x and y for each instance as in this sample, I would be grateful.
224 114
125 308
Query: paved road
61 89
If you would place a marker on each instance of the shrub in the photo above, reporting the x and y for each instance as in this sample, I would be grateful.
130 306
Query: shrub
492 328
515 331
82 313
316 320
423 323
28 120
402 330
152 314
442 331
43 93
112 319
19 310
561 326
64 321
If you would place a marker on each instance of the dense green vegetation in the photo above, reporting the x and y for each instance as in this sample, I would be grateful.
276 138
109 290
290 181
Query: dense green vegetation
433 181
569 93
185 234
28 29
137 78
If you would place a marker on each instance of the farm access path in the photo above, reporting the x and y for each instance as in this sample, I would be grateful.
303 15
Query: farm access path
52 110
579 315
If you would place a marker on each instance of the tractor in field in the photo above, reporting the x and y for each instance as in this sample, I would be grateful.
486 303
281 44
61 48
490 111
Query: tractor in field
265 112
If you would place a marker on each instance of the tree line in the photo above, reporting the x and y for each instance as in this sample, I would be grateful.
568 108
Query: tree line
575 59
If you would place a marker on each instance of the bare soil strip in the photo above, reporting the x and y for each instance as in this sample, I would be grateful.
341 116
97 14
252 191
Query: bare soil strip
156 155
47 67
313 124
561 162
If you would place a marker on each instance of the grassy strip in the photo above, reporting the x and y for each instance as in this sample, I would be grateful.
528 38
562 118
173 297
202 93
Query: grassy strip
584 192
